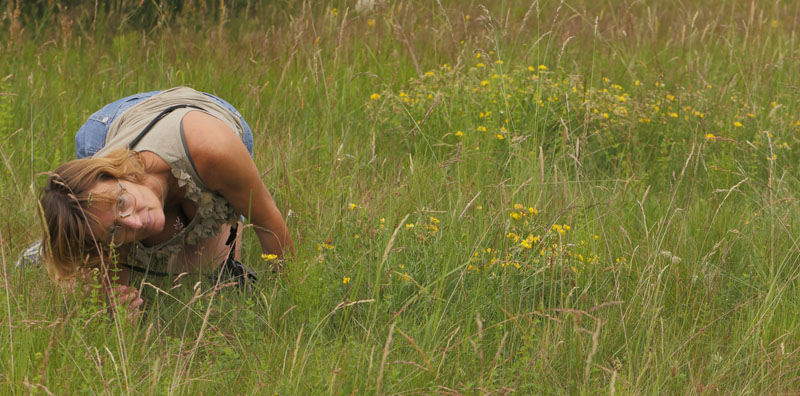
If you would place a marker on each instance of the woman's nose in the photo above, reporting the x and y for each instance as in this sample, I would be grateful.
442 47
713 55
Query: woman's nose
132 222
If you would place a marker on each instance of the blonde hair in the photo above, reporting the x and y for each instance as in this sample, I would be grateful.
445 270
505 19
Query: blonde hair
69 244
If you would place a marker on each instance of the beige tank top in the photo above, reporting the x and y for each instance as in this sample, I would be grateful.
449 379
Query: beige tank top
166 139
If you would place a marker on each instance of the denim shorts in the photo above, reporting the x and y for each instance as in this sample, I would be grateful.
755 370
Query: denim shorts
91 137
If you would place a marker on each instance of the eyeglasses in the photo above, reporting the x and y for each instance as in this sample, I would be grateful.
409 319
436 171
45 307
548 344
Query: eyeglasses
125 206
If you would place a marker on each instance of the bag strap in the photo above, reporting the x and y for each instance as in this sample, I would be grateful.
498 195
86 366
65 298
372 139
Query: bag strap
145 271
158 118
232 241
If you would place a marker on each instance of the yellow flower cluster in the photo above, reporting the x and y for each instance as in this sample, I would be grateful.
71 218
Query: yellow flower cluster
526 243
614 115
521 212
560 229
432 225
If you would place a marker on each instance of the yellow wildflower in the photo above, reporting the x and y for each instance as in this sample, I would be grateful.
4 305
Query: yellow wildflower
375 96
513 236
346 280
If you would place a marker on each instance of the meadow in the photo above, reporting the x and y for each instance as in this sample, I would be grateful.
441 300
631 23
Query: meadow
488 198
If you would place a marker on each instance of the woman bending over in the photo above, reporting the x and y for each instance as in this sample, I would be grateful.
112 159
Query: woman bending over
162 180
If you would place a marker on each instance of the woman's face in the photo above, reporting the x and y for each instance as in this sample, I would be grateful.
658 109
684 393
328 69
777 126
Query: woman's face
135 214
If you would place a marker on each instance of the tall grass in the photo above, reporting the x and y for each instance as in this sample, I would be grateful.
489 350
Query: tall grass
508 198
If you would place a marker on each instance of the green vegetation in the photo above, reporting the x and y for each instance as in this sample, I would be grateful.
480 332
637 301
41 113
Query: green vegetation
540 198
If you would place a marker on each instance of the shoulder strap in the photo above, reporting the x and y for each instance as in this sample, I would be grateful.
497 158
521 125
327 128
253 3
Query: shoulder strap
146 271
158 118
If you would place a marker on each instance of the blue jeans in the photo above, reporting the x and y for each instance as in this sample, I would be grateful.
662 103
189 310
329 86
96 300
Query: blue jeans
91 137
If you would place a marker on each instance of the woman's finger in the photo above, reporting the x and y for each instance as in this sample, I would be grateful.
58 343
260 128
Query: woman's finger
123 296
135 303
135 308
128 297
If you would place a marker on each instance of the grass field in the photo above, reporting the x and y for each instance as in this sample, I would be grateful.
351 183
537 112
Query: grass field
515 198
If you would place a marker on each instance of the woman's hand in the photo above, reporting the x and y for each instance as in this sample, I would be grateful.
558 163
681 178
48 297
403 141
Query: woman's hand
127 300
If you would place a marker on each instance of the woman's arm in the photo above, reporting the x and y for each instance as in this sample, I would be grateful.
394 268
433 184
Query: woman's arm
224 164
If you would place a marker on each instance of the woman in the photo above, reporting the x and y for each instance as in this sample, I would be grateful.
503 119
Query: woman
161 181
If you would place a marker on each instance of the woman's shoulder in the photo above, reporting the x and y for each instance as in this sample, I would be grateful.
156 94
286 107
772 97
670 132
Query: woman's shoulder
209 140
220 158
